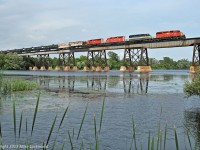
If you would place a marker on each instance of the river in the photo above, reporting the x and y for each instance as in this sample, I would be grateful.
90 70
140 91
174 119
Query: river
154 99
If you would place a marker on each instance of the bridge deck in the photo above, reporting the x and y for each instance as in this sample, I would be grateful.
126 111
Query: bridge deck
152 44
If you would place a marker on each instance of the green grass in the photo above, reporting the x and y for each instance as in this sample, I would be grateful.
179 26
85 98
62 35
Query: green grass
193 88
13 85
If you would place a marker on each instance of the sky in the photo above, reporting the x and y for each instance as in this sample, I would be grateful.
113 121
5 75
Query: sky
28 23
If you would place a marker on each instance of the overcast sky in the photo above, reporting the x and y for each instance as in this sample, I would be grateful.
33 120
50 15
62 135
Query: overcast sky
27 23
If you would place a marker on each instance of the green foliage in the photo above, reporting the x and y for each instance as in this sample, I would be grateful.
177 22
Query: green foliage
193 88
81 61
168 63
11 62
17 85
114 61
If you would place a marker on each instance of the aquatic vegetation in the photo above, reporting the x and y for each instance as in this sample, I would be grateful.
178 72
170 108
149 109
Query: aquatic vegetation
193 88
10 85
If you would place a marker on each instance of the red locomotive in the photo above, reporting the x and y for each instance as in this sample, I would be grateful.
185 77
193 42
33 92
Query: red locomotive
115 39
94 41
170 34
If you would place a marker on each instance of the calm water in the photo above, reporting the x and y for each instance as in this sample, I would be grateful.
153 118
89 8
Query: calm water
150 98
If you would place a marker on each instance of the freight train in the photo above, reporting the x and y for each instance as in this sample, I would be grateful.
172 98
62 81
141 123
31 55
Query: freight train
160 36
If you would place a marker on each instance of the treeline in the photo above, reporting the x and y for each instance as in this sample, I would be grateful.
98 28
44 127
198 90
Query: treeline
15 62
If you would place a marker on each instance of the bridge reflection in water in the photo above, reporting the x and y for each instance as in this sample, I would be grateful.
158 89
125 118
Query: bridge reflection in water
79 84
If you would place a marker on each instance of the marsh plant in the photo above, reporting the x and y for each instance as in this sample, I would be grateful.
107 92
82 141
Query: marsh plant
75 138
12 85
193 87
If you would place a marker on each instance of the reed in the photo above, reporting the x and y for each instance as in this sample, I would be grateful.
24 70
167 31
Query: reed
26 125
35 113
102 110
134 134
83 118
152 143
158 137
0 135
176 138
70 141
95 132
149 141
63 146
165 136
17 85
14 118
63 117
189 139
20 124
50 132
81 147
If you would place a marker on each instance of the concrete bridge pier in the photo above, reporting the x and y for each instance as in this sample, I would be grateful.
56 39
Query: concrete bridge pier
43 61
57 68
195 59
96 60
50 68
144 69
136 57
123 68
68 60
35 68
66 68
60 62
98 69
107 68
127 64
43 68
75 68
93 68
86 68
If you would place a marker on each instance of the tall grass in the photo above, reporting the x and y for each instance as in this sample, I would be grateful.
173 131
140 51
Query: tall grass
35 114
83 118
17 85
14 118
52 127
10 85
176 138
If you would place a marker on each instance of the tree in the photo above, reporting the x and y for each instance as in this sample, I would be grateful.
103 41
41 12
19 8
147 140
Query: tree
113 56
2 60
13 62
81 62
167 63
113 60
183 64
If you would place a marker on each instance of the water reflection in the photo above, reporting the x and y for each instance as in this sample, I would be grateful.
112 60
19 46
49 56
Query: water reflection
72 84
136 85
192 123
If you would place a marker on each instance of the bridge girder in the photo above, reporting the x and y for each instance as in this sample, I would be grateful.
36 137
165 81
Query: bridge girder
96 58
196 55
136 57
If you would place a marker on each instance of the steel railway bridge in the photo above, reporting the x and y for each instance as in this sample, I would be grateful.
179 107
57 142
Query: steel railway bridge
135 54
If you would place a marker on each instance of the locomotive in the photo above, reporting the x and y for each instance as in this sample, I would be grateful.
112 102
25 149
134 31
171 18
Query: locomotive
162 35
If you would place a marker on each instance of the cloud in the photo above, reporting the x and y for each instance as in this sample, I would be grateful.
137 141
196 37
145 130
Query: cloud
40 22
